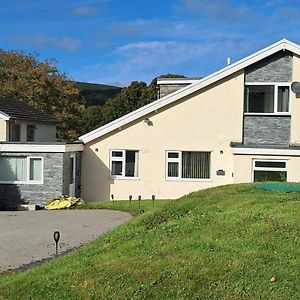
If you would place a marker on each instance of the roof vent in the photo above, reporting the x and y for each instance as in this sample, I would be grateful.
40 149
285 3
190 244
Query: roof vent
228 61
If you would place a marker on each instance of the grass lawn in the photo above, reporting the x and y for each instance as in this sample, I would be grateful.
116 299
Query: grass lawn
134 207
221 243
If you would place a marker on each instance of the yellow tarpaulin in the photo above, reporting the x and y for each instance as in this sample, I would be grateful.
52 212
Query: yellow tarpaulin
63 202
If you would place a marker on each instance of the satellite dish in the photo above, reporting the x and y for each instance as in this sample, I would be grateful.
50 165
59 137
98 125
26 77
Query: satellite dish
296 87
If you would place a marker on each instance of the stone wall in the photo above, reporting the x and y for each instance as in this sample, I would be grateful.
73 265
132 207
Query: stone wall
13 194
267 130
166 89
275 68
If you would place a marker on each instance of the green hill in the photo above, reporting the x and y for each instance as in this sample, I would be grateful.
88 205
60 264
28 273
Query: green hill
221 243
97 94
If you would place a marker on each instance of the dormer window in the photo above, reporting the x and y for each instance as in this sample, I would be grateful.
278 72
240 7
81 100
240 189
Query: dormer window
15 132
31 133
267 98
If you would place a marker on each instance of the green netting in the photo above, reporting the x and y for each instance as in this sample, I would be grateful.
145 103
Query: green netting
279 186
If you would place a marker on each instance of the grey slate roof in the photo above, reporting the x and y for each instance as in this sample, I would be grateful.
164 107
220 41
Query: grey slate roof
23 111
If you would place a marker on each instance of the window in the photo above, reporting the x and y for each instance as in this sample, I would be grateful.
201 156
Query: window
124 163
187 165
267 98
20 169
31 133
269 170
15 132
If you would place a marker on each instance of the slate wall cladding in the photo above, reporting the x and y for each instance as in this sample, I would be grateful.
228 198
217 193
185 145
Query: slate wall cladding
275 68
267 130
166 89
13 194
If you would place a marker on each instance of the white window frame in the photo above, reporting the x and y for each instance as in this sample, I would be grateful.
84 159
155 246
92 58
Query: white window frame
27 181
269 169
179 160
276 86
123 160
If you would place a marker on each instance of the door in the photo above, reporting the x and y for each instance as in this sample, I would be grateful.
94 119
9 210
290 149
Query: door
72 181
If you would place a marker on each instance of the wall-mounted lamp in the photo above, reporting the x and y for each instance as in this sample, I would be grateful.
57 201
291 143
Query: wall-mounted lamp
96 150
148 122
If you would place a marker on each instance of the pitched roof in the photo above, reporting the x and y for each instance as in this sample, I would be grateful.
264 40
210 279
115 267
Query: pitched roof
12 109
153 106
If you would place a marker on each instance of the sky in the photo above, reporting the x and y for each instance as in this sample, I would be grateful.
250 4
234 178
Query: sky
119 41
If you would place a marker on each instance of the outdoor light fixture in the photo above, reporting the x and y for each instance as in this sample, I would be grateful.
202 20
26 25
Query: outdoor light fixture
113 198
148 122
153 198
130 198
56 236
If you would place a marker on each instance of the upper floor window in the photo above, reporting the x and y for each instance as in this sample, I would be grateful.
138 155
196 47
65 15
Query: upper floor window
31 133
267 98
187 165
124 163
15 132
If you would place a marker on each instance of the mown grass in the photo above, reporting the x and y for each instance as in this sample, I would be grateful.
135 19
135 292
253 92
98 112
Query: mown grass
134 207
221 243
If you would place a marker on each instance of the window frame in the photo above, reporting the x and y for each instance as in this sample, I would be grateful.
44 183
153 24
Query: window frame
276 85
179 160
269 169
123 160
27 181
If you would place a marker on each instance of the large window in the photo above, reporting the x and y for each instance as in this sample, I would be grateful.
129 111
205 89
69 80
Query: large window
269 170
19 169
187 165
124 163
267 98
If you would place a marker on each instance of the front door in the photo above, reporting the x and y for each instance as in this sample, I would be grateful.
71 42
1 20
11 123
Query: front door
72 181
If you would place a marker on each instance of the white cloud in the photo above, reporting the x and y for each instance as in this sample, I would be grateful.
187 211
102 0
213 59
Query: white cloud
65 42
84 11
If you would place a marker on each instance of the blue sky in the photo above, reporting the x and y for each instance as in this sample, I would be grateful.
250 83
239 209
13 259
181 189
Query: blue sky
118 41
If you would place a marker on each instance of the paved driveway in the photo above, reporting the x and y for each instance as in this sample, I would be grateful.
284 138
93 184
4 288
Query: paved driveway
28 236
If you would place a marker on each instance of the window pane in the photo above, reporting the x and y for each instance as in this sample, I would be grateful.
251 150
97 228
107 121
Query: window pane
116 168
15 135
259 98
117 153
173 155
13 168
283 99
270 164
131 167
269 176
30 133
173 169
195 165
35 172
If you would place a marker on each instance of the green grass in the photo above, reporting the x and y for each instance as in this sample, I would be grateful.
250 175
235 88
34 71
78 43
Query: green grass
135 208
221 243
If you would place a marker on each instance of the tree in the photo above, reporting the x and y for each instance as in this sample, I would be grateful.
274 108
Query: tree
132 97
23 77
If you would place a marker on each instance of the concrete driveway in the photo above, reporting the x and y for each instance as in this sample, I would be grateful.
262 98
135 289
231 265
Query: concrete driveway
27 236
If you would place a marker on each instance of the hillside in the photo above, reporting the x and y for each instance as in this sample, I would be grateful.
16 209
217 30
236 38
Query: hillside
97 94
220 243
